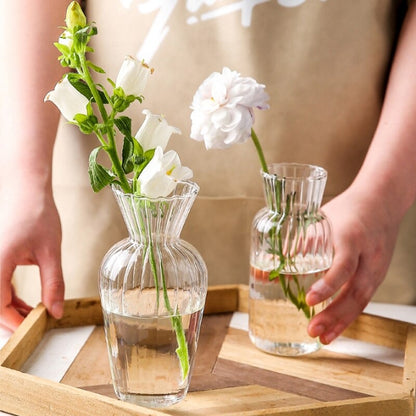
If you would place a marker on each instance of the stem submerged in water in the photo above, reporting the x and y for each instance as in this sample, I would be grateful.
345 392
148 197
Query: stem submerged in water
176 320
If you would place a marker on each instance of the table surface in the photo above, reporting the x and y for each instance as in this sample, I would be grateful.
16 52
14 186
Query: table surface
71 340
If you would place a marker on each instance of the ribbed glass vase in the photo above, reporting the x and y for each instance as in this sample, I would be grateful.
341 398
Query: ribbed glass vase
291 247
153 287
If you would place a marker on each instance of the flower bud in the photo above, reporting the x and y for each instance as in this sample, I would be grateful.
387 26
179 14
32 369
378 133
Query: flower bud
133 75
75 16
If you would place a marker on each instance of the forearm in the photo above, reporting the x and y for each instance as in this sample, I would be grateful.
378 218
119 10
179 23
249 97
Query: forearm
29 68
390 165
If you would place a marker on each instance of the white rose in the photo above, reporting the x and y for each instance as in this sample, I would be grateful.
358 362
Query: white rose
133 75
160 176
155 131
68 99
223 109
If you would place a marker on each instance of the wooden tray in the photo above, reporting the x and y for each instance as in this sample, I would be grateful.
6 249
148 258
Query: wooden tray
231 377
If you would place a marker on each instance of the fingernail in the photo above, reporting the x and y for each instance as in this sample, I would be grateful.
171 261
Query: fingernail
57 309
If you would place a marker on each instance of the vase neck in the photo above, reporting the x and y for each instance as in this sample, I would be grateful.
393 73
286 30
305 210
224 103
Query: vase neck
156 219
291 188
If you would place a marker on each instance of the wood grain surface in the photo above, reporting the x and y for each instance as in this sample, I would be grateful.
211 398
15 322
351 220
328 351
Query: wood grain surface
230 377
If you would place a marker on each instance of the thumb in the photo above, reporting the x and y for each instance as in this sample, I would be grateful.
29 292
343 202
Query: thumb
53 286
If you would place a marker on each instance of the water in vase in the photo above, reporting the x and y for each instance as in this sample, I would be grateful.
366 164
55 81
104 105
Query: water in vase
277 324
145 367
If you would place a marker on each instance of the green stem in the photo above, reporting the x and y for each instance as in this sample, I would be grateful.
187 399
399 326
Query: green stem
111 146
176 320
154 271
182 350
259 151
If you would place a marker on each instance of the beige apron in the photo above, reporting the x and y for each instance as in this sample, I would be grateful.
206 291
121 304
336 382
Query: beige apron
324 63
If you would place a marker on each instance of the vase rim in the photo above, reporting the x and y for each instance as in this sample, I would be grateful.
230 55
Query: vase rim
189 188
315 172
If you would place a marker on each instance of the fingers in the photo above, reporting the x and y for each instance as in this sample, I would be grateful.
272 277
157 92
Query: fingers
22 307
10 317
346 307
53 287
344 266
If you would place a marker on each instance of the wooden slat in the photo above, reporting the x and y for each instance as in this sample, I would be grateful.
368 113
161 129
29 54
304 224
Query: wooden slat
236 400
261 401
409 372
346 372
221 299
25 339
283 382
79 312
243 381
27 395
243 294
212 335
378 330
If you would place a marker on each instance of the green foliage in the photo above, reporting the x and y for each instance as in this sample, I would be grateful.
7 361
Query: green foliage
100 177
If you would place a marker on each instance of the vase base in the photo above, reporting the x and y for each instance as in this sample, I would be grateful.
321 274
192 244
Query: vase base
286 349
152 400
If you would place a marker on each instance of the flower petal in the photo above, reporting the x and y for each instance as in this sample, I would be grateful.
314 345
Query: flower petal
68 99
160 176
155 131
222 109
133 76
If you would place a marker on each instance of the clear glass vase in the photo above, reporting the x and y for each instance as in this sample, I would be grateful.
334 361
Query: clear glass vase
153 287
291 247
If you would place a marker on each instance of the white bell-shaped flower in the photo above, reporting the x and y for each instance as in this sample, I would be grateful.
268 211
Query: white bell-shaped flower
155 131
68 99
159 178
133 76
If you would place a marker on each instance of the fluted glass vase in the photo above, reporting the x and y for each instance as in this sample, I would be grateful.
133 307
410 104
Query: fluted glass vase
291 247
153 287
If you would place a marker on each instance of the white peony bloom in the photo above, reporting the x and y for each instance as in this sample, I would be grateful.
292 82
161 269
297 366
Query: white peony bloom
223 109
155 131
133 76
68 99
160 176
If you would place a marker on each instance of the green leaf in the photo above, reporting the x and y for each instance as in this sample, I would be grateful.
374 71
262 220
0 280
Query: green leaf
111 82
127 155
123 123
100 177
86 123
83 88
95 67
285 287
148 155
64 49
103 91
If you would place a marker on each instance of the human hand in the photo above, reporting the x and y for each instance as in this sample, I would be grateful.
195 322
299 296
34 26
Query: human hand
364 237
30 234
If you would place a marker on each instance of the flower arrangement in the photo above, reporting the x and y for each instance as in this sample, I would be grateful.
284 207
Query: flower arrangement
223 115
95 109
